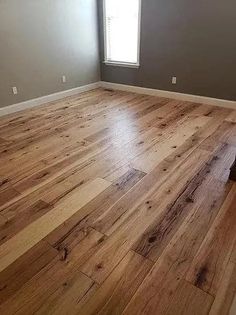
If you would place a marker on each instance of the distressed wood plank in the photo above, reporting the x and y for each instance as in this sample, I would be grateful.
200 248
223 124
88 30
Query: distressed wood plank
225 292
148 210
114 294
36 231
90 182
97 207
24 268
159 233
177 257
188 299
208 266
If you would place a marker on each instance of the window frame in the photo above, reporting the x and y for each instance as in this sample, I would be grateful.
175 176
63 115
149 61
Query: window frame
116 62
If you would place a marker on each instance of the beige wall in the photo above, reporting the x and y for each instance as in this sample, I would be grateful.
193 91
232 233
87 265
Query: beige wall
41 40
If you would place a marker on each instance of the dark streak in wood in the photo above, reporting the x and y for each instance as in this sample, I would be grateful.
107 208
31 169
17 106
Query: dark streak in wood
201 277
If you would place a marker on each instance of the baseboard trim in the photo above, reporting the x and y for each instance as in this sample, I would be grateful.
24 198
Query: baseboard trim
46 99
169 94
115 86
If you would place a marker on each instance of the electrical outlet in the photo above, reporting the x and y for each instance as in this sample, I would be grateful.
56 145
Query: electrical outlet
63 78
14 90
174 80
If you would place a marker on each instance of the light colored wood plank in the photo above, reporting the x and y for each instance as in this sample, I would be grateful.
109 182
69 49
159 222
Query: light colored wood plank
7 195
50 154
109 222
225 292
69 297
78 246
113 295
16 219
225 133
98 206
233 254
231 117
121 241
47 287
175 116
36 231
208 266
232 310
153 296
188 299
148 160
206 182
50 279
24 268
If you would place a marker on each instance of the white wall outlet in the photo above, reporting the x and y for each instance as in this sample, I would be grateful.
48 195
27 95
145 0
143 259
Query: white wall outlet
63 78
174 80
14 90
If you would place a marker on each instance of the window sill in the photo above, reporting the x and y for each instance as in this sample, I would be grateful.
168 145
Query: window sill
121 64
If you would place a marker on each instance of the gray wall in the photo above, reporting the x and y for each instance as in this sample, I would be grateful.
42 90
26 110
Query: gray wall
40 40
193 40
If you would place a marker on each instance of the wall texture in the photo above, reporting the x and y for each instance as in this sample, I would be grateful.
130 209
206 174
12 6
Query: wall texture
41 40
193 40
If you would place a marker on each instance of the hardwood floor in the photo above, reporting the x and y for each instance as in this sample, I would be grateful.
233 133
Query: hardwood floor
117 203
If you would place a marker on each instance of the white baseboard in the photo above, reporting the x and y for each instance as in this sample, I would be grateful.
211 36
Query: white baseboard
45 99
129 88
169 94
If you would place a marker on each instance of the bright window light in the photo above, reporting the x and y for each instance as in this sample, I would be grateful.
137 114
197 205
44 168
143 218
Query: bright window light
122 31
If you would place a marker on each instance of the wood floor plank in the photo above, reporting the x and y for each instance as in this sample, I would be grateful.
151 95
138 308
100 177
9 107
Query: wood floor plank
109 222
7 195
149 209
36 231
78 246
217 119
113 202
225 292
225 133
159 233
97 207
17 219
173 117
48 285
114 294
231 117
151 118
69 297
161 150
233 254
55 276
233 307
153 296
24 268
208 266
188 299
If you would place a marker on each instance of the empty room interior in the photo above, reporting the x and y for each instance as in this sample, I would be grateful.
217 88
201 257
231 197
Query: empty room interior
118 157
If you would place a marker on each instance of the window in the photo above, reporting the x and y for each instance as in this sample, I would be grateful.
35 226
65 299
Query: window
122 32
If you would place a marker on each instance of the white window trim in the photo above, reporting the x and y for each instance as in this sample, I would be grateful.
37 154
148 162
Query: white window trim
119 63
